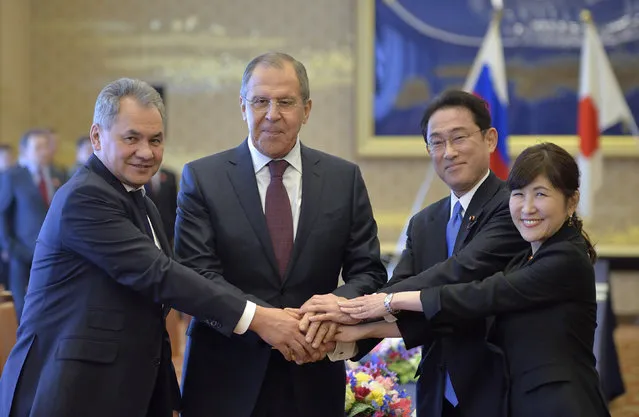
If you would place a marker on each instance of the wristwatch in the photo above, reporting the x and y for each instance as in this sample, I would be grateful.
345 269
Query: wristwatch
387 304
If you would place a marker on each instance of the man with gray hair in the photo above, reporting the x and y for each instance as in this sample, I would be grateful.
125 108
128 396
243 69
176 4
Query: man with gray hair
92 341
280 221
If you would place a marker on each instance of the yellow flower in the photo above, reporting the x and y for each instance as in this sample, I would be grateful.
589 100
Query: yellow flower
376 395
350 399
362 377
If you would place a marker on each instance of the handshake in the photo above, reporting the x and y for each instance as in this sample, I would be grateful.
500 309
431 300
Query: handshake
309 333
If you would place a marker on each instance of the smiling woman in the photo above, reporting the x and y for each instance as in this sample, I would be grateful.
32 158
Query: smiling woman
544 185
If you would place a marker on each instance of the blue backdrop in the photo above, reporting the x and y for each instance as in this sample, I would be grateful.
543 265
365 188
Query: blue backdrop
423 47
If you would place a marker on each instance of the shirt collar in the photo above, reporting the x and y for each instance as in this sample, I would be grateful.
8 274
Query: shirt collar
465 199
294 157
34 169
128 189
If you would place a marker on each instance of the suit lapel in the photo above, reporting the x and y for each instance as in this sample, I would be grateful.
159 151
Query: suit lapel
483 195
95 165
242 177
158 228
436 250
311 196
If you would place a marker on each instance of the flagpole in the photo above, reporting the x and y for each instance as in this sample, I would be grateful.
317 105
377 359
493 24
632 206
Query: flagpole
416 207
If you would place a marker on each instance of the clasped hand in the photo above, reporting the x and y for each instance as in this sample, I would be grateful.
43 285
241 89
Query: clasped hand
280 328
309 333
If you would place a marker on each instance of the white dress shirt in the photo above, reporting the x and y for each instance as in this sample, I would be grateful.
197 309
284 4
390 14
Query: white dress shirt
465 199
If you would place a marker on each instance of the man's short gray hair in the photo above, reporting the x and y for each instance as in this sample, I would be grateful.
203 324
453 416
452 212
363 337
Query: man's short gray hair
277 60
107 105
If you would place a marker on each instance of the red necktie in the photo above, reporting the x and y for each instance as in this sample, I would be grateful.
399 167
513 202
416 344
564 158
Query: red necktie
279 218
42 186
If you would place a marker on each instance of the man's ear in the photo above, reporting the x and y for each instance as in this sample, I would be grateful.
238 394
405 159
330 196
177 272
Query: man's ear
95 137
491 136
243 108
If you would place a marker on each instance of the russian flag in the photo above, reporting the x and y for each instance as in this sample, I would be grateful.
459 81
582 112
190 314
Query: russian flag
487 79
601 106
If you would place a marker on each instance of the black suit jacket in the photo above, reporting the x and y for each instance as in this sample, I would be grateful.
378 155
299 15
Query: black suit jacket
165 199
221 232
546 311
486 243
92 341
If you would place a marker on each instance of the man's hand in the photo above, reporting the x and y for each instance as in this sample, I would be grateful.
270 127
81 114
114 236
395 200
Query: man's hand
294 312
325 308
349 334
321 332
280 329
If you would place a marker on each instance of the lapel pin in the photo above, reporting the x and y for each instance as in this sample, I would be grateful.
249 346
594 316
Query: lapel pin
471 222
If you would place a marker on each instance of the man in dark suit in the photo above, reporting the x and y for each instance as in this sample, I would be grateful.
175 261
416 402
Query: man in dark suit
466 236
276 220
162 189
92 341
26 192
459 138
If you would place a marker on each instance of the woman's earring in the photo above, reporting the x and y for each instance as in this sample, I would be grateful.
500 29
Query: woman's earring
570 220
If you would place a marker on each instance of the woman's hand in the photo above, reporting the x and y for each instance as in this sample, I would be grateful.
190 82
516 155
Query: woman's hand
366 307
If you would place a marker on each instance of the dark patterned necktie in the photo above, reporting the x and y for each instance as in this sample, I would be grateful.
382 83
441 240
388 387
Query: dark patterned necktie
279 218
138 197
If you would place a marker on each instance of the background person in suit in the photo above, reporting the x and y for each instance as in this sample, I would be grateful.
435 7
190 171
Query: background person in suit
6 162
162 190
461 238
92 341
277 220
55 169
26 192
545 300
83 151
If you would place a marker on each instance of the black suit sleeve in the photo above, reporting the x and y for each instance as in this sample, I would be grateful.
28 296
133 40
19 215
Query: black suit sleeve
490 250
362 269
195 236
97 227
559 273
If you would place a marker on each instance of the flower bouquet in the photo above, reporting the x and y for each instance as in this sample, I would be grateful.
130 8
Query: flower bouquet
403 362
371 391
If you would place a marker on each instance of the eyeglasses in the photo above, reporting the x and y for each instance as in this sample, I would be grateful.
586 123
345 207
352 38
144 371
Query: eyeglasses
262 104
437 144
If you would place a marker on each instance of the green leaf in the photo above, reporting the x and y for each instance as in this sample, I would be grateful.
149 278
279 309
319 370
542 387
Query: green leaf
359 408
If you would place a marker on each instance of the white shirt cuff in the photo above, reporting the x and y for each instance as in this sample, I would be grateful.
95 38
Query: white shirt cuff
247 317
390 318
343 351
